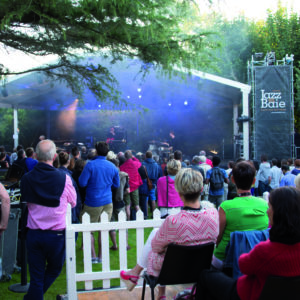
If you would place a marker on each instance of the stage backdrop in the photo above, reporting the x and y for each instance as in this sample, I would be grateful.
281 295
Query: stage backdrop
273 117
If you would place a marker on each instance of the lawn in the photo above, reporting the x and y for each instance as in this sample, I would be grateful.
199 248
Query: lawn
59 286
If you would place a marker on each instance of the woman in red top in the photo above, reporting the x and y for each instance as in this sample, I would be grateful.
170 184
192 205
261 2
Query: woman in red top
278 256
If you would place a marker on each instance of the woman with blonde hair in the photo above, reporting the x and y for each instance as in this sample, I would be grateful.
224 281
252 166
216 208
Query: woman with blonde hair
168 199
177 229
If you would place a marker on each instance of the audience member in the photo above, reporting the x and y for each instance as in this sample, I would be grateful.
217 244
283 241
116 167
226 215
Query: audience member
153 172
296 170
275 175
5 209
288 178
195 165
118 202
278 256
3 163
14 155
98 176
47 207
30 161
91 154
216 177
84 153
207 160
227 186
263 175
79 165
205 167
178 156
7 157
178 229
242 213
64 161
168 199
131 166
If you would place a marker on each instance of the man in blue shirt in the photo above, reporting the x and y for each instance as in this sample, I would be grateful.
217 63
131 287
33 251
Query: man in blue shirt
98 176
216 177
288 179
30 161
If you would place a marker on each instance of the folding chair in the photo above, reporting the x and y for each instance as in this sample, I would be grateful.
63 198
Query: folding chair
280 288
182 264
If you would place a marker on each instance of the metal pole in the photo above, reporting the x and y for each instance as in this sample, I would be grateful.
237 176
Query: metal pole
246 124
16 133
23 286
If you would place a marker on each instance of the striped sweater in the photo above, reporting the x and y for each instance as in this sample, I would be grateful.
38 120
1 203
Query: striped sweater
184 228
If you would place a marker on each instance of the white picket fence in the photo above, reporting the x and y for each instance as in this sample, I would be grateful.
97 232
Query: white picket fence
88 276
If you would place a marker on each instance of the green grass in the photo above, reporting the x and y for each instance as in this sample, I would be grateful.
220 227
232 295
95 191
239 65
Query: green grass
59 287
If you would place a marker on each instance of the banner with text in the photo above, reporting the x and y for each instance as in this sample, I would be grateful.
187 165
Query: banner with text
273 112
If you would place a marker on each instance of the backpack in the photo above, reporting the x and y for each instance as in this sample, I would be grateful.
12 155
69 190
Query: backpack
216 179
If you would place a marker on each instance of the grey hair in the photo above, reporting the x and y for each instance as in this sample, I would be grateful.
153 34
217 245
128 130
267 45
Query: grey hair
45 150
202 158
202 152
188 181
173 166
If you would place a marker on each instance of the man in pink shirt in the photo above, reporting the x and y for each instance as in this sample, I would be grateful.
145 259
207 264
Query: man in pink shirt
47 192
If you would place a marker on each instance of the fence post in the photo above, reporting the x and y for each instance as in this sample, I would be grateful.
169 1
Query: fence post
70 257
122 244
87 258
139 235
105 250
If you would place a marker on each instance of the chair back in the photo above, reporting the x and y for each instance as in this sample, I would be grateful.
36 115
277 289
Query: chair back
183 264
241 242
278 288
15 172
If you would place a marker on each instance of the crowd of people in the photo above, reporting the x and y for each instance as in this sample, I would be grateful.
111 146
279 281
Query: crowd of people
200 200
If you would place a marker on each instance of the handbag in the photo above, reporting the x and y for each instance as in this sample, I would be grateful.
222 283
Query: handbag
149 182
167 181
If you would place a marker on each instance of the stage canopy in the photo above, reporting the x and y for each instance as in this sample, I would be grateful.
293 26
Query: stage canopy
198 91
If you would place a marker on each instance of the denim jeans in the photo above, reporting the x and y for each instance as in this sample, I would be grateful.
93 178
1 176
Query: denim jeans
216 200
144 201
46 257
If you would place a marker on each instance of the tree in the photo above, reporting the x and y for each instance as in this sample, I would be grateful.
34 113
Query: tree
150 30
281 34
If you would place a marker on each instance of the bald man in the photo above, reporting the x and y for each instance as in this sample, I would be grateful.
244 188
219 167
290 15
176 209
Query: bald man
47 192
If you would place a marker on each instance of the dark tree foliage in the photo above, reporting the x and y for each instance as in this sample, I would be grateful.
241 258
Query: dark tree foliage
150 30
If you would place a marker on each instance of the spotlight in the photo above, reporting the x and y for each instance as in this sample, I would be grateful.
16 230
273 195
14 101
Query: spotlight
139 90
169 104
99 105
185 103
271 58
128 97
140 96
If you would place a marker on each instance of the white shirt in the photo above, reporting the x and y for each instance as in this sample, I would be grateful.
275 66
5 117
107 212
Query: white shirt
275 175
